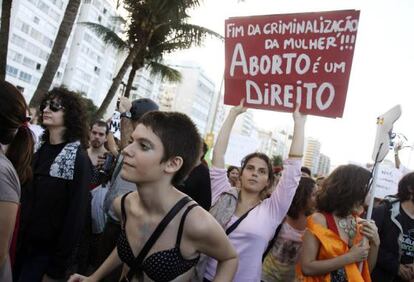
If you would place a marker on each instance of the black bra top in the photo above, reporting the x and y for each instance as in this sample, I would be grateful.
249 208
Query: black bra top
161 266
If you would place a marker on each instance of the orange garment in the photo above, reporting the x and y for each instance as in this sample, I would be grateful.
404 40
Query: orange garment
331 245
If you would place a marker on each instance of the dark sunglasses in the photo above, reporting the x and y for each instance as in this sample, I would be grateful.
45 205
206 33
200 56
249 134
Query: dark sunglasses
53 106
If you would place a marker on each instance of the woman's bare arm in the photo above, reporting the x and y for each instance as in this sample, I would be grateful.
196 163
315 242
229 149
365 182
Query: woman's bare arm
311 266
223 137
210 239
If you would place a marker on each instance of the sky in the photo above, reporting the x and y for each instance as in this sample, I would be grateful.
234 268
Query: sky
381 74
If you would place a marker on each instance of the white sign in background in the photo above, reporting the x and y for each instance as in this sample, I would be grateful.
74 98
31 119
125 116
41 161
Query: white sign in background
387 181
240 146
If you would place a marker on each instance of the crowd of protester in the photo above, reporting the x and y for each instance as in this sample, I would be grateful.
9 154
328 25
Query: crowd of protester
133 199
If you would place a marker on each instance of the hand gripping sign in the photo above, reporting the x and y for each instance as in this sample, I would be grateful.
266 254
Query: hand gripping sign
276 61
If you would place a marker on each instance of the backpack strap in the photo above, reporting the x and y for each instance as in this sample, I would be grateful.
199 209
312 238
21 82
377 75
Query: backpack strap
136 264
237 222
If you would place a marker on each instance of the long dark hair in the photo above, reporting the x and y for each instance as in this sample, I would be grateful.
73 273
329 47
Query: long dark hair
345 187
303 194
13 109
74 117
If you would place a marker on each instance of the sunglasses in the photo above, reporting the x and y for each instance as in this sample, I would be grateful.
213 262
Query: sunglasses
53 106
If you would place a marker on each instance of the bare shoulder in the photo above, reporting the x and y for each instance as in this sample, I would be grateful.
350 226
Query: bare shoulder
129 200
199 223
319 219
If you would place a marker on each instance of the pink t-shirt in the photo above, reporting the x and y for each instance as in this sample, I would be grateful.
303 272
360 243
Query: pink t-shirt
251 237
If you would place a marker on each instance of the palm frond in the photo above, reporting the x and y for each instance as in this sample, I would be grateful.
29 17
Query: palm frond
193 34
165 72
107 35
118 19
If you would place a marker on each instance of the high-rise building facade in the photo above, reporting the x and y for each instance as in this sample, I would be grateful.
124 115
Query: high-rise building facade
146 85
323 165
91 62
192 96
245 125
33 29
312 152
87 64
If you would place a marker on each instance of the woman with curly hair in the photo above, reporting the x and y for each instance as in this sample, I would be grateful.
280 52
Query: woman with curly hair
54 203
16 150
333 249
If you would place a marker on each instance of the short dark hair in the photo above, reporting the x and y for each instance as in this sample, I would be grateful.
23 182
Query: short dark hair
179 137
74 116
266 159
306 170
101 123
406 187
300 202
13 109
345 187
231 168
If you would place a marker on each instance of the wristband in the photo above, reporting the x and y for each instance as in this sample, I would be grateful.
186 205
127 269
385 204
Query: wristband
295 156
126 115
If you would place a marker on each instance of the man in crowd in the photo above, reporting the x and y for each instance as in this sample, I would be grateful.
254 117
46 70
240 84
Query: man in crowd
97 151
395 221
87 253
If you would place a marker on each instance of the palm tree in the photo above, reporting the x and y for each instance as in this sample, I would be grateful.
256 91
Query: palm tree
154 28
4 36
153 60
57 51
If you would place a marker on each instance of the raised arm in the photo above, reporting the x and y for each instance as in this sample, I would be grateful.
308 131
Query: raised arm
397 148
282 197
223 137
298 140
126 124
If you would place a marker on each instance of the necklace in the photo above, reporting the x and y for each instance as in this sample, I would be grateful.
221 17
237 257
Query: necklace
348 225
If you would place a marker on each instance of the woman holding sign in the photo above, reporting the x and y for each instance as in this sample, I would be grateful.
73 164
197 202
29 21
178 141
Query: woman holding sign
333 249
249 219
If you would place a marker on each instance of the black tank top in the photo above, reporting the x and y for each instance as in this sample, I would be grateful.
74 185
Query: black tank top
161 266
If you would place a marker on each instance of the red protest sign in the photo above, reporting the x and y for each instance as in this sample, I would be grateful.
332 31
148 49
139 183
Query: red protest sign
275 61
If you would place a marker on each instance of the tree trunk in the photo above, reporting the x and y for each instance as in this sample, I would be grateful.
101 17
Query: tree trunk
57 52
117 81
131 78
4 36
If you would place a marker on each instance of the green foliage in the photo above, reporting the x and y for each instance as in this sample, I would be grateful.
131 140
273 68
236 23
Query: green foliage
277 160
91 109
107 35
154 28
165 72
